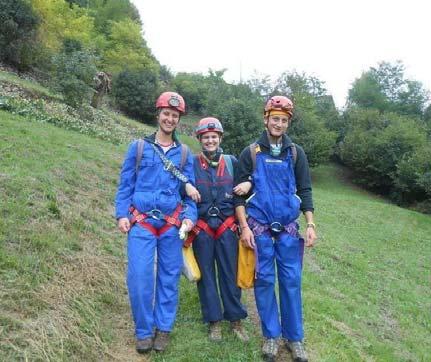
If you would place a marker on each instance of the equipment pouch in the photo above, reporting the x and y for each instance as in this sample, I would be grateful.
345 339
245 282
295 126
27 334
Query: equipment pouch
246 267
190 266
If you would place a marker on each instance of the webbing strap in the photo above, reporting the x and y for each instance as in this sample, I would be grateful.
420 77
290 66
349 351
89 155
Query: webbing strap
229 165
201 225
140 151
170 221
255 148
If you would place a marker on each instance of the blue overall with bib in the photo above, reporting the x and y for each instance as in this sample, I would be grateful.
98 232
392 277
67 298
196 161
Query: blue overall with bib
155 192
272 213
216 207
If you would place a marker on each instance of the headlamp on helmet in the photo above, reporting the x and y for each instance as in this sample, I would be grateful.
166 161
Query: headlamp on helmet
171 100
208 124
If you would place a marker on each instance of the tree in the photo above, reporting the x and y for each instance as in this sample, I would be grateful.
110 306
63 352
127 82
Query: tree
386 89
374 145
313 110
135 93
18 25
74 72
60 22
105 12
366 93
194 88
127 48
261 84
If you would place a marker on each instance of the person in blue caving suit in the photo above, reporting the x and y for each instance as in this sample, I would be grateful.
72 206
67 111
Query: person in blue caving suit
151 209
280 190
214 237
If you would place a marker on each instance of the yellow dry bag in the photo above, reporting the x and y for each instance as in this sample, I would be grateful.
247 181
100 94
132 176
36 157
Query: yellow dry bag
246 267
190 266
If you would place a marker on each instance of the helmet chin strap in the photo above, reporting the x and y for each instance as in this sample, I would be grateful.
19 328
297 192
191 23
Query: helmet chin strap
212 158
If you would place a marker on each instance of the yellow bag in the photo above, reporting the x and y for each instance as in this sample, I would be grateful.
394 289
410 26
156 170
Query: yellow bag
246 267
190 266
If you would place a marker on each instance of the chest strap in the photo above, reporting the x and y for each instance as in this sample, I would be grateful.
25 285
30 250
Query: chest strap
201 225
171 220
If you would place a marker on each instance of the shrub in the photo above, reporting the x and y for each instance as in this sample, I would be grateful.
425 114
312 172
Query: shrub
135 93
413 175
74 72
374 146
310 132
18 25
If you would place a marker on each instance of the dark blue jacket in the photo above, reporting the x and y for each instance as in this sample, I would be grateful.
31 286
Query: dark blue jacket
215 185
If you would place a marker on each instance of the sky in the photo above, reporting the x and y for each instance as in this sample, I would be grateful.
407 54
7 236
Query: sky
333 40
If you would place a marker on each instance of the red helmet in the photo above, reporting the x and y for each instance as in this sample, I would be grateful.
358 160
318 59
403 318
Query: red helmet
171 100
208 124
279 103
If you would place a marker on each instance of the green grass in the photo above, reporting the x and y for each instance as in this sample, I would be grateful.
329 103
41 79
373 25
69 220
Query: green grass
366 284
30 86
366 288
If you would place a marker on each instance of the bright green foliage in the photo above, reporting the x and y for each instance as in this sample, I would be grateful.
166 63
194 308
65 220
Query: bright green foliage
60 21
74 72
127 49
17 33
136 92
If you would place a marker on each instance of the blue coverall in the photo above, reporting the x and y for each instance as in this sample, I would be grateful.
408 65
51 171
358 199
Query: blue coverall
275 200
154 188
215 186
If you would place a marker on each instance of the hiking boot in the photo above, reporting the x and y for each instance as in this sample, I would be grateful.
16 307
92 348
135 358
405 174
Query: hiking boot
239 331
214 331
161 341
144 345
298 351
270 349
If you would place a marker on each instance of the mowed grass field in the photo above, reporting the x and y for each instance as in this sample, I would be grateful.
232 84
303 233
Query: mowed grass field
366 285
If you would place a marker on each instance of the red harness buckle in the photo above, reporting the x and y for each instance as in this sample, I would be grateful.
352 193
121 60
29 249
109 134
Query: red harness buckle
170 220
201 225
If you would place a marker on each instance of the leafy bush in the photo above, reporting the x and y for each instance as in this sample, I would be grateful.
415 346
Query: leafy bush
241 126
135 93
413 173
375 145
310 132
74 72
18 25
194 88
238 108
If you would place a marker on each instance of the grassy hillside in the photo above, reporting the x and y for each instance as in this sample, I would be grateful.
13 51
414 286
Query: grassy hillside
62 292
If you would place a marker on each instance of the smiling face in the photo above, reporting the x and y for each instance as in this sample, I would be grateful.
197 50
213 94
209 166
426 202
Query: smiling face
210 141
277 124
168 119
